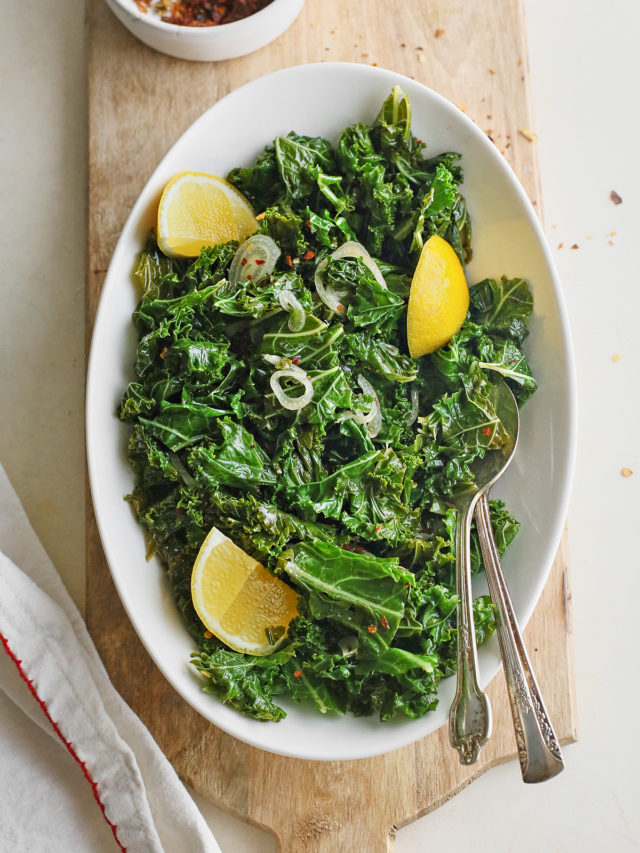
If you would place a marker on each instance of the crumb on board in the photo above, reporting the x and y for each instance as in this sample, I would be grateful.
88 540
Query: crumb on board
560 245
438 33
616 356
492 71
462 107
529 135
420 57
610 242
626 472
615 198
575 246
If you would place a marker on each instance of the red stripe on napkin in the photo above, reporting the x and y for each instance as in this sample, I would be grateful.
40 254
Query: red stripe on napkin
69 746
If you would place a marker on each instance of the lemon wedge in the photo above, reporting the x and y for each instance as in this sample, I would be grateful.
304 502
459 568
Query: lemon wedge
438 300
238 600
198 210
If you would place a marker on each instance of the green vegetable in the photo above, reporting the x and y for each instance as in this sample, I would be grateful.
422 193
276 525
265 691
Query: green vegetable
357 519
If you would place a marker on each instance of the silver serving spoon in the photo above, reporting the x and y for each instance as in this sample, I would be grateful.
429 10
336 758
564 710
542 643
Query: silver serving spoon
470 716
538 747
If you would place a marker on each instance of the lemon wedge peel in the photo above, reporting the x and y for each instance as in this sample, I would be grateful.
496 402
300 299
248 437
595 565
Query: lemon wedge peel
438 299
238 600
198 210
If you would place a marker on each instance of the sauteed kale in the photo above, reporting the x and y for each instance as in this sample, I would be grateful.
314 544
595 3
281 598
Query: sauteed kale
356 482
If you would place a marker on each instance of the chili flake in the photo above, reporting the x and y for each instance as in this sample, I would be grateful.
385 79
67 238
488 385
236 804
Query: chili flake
372 629
295 360
208 13
244 262
258 262
615 198
297 674
486 431
288 260
384 623
308 255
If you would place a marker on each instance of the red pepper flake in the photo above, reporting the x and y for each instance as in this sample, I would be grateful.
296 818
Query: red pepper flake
297 674
372 629
308 224
206 13
560 245
308 255
486 431
438 33
378 528
258 263
384 623
248 278
615 198
575 246
244 262
340 308
355 548
295 360
288 260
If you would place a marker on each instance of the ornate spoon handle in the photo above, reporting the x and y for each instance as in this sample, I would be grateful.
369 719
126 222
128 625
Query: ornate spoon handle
470 714
538 748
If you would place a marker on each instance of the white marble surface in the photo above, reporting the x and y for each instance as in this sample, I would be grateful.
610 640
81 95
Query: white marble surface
585 70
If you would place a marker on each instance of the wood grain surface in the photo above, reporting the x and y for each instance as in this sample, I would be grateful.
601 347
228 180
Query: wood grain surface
140 102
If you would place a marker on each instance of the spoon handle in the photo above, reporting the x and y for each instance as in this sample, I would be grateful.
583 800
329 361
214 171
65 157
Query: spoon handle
470 714
538 748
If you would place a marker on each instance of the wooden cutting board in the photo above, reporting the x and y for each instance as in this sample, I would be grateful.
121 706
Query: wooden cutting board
139 104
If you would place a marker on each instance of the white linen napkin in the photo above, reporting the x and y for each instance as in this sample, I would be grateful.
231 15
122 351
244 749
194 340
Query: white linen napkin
50 671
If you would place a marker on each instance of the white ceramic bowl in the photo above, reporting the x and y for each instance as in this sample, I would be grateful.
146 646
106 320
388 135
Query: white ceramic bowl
208 43
322 99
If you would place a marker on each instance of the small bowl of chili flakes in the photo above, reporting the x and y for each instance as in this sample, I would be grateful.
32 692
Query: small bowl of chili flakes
206 30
